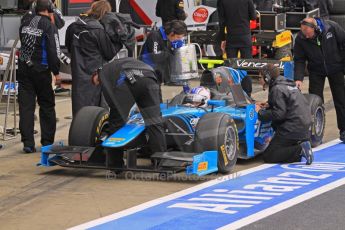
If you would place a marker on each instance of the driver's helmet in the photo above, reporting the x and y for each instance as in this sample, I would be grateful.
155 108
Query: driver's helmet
197 97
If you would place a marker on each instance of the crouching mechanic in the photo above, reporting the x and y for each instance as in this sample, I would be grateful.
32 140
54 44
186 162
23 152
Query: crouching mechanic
289 112
125 82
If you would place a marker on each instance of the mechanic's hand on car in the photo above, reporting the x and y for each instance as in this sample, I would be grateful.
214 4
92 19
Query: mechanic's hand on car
95 79
299 84
57 79
264 104
258 107
222 46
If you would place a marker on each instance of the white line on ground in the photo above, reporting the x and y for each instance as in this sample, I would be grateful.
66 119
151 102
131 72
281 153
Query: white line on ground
279 207
263 214
62 100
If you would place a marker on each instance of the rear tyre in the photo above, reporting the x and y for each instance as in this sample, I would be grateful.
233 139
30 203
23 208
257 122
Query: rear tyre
318 119
217 131
88 126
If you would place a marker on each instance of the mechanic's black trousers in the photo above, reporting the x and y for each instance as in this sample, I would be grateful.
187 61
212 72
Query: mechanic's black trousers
336 83
282 150
34 85
146 93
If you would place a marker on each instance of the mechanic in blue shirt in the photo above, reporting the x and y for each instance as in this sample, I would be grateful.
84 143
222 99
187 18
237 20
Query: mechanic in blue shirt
289 111
157 48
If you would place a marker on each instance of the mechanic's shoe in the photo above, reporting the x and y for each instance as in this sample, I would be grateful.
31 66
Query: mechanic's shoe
307 152
27 149
342 136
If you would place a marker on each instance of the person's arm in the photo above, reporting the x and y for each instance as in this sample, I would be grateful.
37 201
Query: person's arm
154 43
299 61
251 10
339 33
330 4
108 50
277 105
265 115
69 38
58 18
180 13
53 49
158 8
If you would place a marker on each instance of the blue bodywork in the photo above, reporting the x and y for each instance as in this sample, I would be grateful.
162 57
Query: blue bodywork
253 135
252 132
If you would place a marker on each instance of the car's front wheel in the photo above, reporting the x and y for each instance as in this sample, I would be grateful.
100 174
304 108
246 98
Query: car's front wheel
87 126
217 131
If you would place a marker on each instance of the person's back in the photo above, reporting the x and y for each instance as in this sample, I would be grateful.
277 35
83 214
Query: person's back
81 38
290 110
91 48
170 10
39 49
237 15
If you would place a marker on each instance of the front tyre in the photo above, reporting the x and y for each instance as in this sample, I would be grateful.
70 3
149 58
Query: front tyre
217 131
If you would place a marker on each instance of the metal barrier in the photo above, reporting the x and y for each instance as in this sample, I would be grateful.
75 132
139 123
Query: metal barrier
9 89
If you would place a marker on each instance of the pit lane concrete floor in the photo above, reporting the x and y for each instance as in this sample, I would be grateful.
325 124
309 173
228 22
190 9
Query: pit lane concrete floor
56 198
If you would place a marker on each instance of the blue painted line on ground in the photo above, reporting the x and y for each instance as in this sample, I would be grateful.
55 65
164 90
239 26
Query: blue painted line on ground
226 202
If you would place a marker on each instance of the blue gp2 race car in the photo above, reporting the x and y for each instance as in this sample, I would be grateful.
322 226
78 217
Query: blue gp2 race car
201 140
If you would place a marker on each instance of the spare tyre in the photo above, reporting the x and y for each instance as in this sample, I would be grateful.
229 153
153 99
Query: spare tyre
217 131
318 119
87 126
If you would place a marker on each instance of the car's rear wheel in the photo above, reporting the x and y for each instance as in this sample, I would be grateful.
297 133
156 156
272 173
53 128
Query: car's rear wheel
318 119
88 126
217 131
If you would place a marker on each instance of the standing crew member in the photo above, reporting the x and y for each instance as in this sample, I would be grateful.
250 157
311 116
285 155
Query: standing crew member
39 56
320 43
289 112
91 48
158 46
125 81
55 14
170 10
235 16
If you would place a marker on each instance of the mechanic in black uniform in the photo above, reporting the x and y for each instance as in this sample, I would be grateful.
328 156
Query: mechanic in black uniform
56 15
235 16
170 10
39 56
125 81
57 19
321 44
158 46
289 111
91 48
